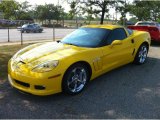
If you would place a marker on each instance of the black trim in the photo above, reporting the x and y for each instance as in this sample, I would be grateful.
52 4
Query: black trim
22 83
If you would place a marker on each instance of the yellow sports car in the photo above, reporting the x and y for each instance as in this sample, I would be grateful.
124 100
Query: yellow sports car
68 65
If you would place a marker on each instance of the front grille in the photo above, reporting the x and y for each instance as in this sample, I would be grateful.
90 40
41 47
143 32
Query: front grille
22 83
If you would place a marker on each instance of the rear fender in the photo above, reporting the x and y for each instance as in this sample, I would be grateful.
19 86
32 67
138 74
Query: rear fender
140 38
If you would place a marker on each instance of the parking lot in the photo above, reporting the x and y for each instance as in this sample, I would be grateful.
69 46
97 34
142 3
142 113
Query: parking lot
131 91
47 34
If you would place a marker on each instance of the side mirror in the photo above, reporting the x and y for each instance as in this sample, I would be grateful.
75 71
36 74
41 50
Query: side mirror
116 42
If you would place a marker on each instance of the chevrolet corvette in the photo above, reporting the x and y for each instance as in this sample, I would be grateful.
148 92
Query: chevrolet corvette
69 64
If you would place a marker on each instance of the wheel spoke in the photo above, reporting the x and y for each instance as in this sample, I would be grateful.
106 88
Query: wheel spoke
75 87
78 79
74 71
141 60
81 74
71 82
142 54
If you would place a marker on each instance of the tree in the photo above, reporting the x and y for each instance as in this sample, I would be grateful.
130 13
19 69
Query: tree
25 6
133 19
122 6
40 12
8 8
154 9
24 12
59 13
75 9
89 11
49 12
141 9
145 10
102 6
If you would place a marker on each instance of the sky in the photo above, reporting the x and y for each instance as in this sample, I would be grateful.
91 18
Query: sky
64 5
42 2
39 2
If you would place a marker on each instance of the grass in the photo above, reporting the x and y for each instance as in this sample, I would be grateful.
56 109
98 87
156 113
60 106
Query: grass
6 52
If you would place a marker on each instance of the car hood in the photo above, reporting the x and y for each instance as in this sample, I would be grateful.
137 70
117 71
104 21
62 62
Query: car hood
44 52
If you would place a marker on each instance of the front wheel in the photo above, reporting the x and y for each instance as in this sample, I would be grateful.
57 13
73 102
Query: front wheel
141 55
27 31
40 31
75 79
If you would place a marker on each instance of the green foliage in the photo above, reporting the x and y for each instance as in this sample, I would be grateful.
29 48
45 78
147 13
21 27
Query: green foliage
14 10
145 10
24 13
88 9
122 6
102 7
9 8
75 8
49 12
133 19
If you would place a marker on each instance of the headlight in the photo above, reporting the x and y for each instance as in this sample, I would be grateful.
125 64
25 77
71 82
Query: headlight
46 66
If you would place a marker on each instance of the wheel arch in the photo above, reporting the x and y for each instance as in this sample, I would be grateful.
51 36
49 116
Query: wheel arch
81 62
139 45
147 44
138 48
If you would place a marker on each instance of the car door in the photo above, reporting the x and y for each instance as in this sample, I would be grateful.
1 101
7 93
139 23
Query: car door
119 53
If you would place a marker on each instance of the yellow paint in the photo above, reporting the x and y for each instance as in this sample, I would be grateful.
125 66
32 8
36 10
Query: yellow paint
100 59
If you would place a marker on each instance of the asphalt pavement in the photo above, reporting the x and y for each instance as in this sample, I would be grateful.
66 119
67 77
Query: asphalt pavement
131 91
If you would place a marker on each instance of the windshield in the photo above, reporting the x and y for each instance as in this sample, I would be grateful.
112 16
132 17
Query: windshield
86 37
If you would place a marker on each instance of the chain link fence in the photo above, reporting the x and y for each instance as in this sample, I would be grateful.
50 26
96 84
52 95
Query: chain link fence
48 34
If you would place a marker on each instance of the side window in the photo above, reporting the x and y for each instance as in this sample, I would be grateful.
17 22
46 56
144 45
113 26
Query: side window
116 34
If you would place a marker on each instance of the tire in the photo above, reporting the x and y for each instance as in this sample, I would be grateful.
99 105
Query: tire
75 79
141 55
27 31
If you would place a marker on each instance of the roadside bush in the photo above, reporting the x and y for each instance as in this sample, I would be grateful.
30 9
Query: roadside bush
51 25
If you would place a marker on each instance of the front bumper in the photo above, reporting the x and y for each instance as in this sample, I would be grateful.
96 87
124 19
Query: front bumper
35 89
37 84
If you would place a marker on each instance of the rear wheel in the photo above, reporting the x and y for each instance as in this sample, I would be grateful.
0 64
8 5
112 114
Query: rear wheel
141 55
75 79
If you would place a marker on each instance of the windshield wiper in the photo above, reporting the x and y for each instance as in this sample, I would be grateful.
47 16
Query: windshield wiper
59 41
70 44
